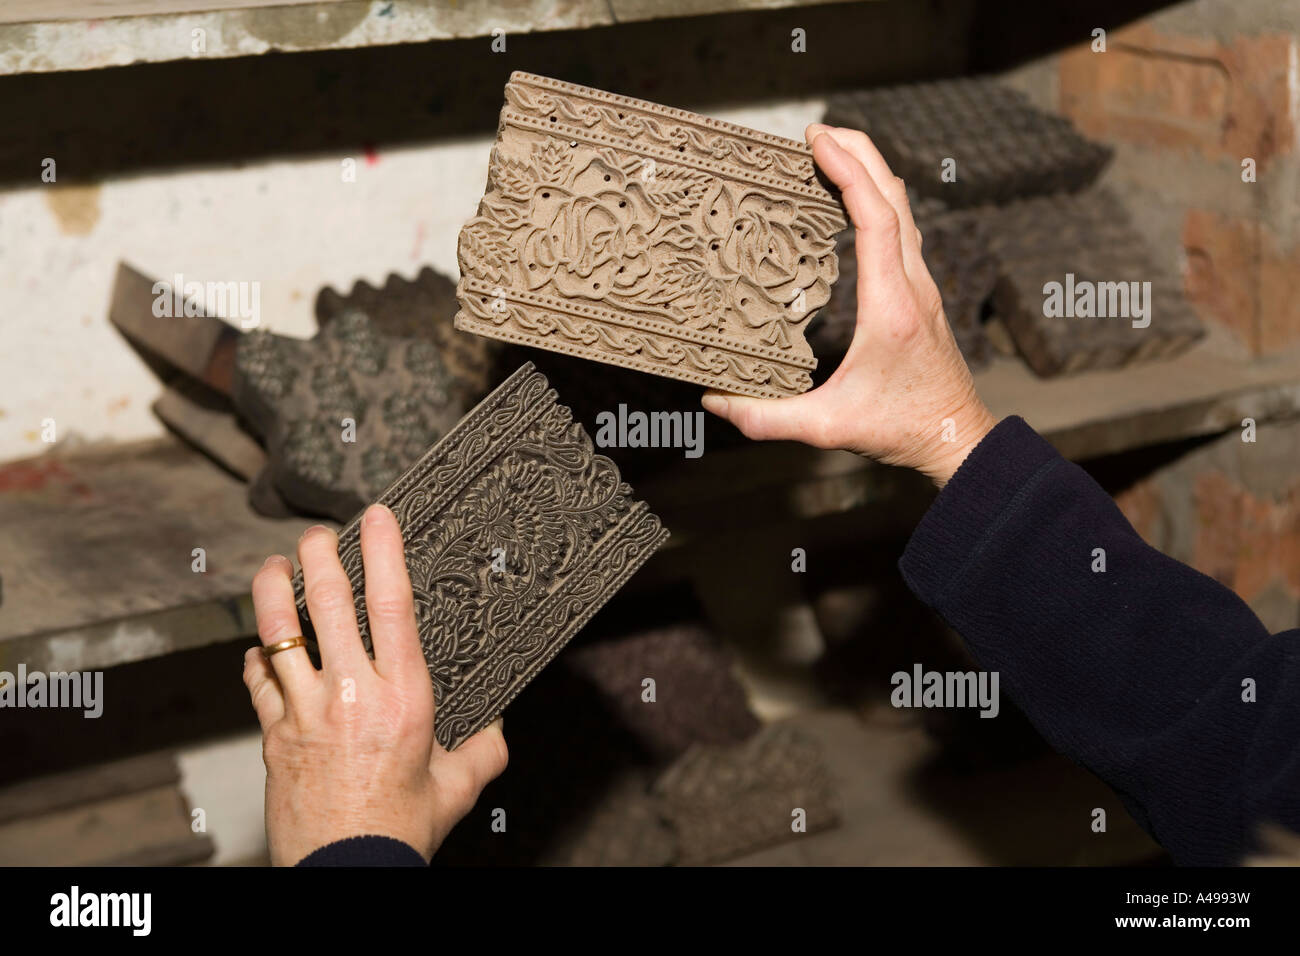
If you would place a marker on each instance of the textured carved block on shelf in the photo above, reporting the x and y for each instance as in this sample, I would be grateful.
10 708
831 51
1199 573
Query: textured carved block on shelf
297 394
956 251
1004 147
726 801
649 237
698 698
1088 237
518 474
420 308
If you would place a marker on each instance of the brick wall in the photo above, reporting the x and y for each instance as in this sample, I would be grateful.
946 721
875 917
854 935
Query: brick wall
1185 95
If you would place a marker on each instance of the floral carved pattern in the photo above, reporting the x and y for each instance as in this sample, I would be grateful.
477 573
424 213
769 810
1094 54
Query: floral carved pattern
297 394
651 238
516 533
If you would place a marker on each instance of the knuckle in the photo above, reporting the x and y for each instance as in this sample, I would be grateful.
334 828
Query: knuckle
331 596
278 742
822 431
391 606
750 421
259 692
500 756
887 224
856 136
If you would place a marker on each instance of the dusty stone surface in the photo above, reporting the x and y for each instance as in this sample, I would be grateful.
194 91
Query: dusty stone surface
639 235
1189 91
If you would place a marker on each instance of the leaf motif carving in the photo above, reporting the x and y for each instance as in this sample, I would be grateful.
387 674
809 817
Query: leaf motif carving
550 163
514 179
676 190
489 250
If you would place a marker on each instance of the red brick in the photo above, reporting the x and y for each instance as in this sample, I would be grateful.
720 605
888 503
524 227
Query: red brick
1244 542
1241 275
1222 277
1172 90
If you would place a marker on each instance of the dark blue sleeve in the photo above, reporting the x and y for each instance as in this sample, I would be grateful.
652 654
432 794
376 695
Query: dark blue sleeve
365 851
1137 672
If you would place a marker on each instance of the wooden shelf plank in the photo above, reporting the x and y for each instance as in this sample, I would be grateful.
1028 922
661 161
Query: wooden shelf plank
42 36
96 558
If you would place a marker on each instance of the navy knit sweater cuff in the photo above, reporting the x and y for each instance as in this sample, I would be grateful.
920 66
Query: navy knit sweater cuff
364 851
999 473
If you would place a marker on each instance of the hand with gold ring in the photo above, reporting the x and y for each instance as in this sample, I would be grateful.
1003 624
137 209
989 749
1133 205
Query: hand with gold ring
349 748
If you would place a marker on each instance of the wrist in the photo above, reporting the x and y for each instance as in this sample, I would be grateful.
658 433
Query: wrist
962 432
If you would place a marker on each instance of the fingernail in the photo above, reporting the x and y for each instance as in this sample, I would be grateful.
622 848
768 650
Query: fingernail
715 404
376 512
312 530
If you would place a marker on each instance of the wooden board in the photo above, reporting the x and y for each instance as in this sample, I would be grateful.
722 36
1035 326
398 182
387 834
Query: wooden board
96 559
147 828
97 556
40 36
59 791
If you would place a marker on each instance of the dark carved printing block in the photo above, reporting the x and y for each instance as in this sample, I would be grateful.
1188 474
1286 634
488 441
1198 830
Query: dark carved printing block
515 474
1003 146
730 800
422 308
1089 235
956 251
699 699
298 394
648 237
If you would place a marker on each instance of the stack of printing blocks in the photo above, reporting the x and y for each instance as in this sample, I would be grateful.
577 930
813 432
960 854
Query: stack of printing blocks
1004 197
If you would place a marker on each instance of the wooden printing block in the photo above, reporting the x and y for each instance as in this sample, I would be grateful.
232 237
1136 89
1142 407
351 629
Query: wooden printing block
1087 236
420 308
956 253
206 419
515 486
591 388
726 801
697 697
1004 148
300 394
622 827
648 237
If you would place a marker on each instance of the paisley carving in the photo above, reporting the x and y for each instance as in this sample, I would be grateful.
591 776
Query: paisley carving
648 237
516 533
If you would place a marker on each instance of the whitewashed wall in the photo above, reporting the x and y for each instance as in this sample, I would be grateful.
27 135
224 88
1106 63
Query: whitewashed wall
293 226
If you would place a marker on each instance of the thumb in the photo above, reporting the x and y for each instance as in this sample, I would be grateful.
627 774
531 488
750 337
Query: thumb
768 419
484 756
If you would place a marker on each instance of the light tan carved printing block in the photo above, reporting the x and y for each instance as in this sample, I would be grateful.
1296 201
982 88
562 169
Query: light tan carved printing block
649 237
